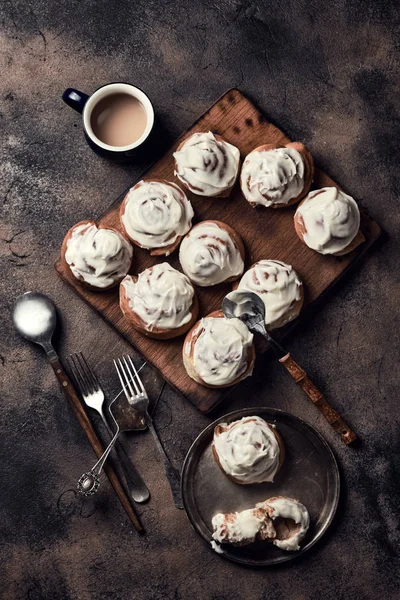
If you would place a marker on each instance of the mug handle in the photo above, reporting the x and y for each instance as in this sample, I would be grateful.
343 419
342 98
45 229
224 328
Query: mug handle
75 99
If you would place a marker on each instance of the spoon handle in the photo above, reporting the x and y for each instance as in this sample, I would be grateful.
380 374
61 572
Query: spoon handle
86 425
333 417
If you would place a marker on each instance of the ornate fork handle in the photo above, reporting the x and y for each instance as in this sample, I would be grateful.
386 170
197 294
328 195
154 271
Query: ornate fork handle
172 473
89 483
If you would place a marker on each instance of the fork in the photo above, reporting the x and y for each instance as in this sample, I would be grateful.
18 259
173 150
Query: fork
138 398
93 397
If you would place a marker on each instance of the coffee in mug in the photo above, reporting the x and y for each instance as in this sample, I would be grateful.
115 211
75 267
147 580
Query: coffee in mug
117 119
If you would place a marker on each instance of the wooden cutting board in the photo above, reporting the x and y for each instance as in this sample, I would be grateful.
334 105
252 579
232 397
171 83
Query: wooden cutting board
267 233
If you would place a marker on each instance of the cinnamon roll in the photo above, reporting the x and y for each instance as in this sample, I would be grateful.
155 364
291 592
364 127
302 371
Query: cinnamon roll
207 165
248 451
242 528
277 176
328 221
218 352
291 521
160 302
279 287
281 520
155 215
212 252
97 256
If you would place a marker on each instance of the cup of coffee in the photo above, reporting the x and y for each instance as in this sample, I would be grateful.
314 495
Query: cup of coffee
117 119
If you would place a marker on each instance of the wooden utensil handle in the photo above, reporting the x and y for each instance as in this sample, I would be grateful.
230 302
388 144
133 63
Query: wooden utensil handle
330 414
86 425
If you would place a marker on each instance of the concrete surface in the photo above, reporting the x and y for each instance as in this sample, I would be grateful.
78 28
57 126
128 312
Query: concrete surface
328 74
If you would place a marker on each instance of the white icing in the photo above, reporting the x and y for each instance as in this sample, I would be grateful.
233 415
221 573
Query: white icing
100 257
238 527
243 304
156 214
272 176
288 508
33 317
221 351
216 547
207 166
278 285
331 220
208 255
248 450
161 297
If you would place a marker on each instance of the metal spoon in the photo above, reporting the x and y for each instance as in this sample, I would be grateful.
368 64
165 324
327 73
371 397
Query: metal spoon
249 308
34 317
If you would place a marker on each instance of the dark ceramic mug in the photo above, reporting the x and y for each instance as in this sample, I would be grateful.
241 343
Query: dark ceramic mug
85 105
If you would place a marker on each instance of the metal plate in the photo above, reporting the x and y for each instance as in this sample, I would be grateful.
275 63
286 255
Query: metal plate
309 473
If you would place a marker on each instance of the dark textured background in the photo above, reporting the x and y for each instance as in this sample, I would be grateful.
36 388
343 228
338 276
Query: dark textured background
328 74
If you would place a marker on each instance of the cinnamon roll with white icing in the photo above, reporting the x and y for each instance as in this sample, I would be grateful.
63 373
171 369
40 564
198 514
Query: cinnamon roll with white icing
207 165
248 451
291 521
98 257
156 215
279 287
212 252
218 352
328 221
160 302
243 528
277 176
281 520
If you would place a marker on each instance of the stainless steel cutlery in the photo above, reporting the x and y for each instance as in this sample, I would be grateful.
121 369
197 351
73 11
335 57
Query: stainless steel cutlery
93 396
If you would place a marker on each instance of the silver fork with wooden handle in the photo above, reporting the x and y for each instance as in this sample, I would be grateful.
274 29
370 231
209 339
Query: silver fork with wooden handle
138 398
93 396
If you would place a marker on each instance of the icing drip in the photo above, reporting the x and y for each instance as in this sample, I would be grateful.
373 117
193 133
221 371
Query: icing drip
208 255
278 285
273 176
331 220
155 214
220 353
99 257
161 297
248 450
207 166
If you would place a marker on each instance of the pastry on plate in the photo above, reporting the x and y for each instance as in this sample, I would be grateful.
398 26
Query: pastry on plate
218 352
243 528
281 520
249 450
291 521
279 287
156 215
276 175
212 252
99 257
328 221
207 165
160 302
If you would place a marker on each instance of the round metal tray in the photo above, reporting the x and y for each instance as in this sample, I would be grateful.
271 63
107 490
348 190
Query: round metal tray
309 473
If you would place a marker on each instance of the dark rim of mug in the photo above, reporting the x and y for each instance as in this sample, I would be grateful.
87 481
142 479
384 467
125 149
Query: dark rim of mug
120 149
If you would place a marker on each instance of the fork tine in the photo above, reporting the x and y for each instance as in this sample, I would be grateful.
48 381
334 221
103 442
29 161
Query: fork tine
121 378
93 378
83 373
137 375
77 375
129 377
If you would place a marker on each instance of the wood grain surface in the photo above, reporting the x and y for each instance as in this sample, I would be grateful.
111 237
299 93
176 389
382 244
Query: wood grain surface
266 234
